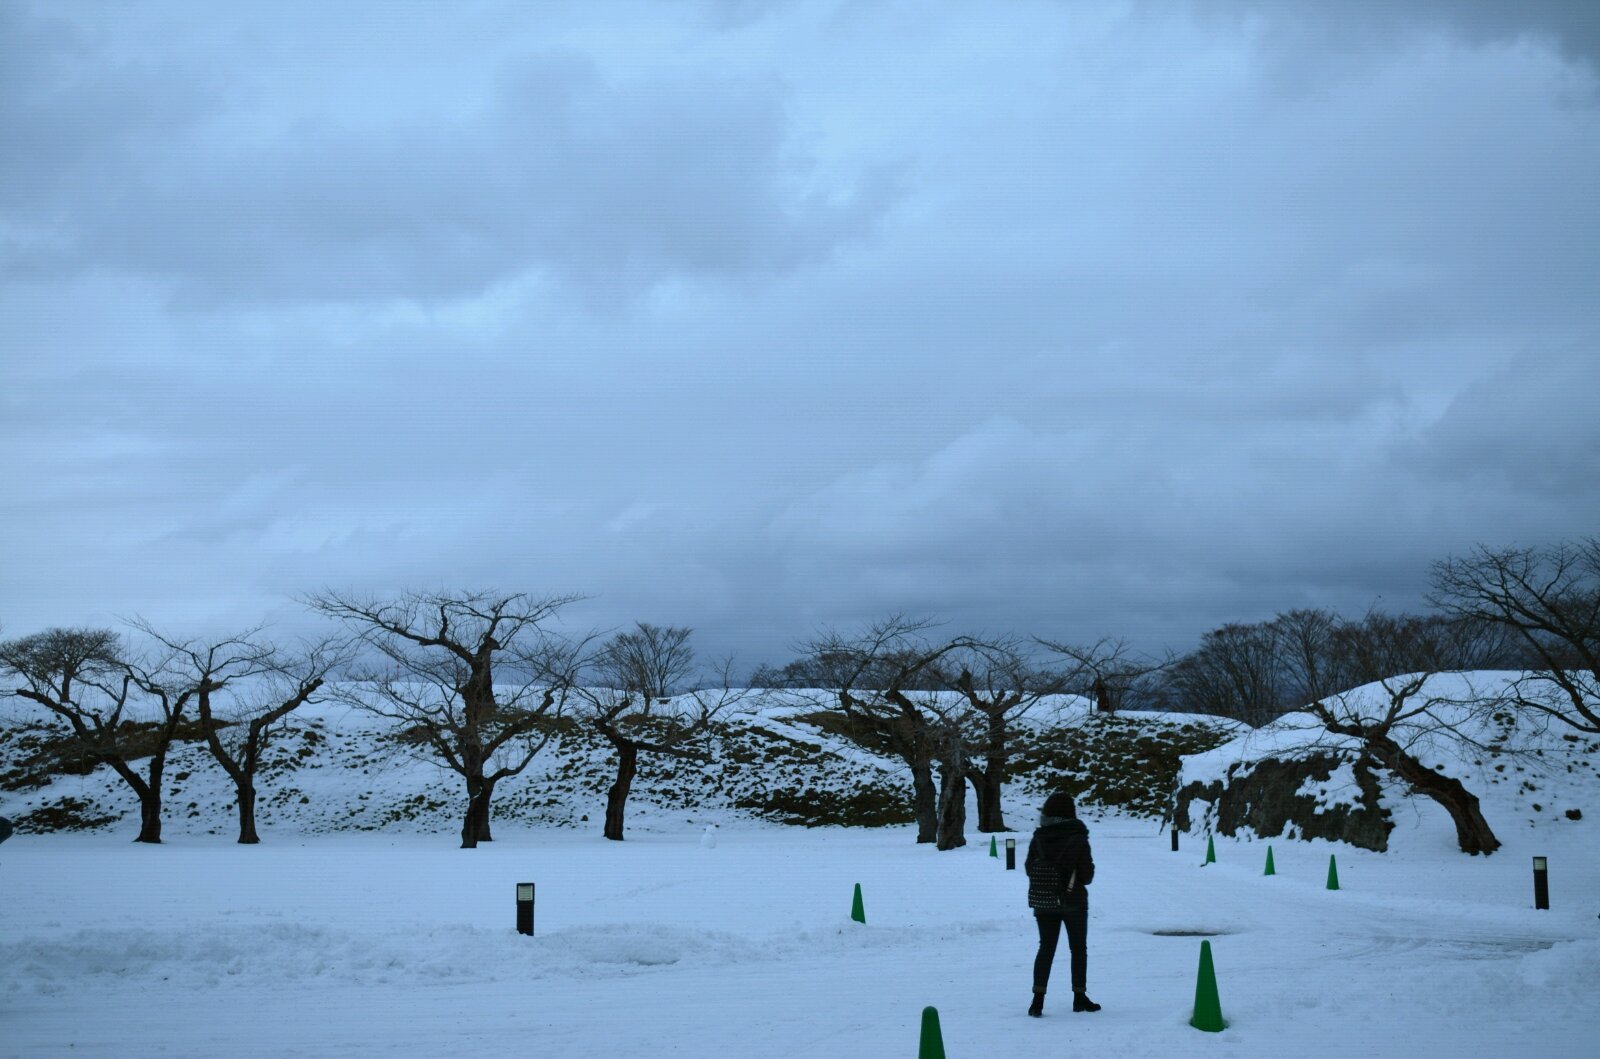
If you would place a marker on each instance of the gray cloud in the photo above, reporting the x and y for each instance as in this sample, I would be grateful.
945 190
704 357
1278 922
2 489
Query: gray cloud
1572 26
1527 431
610 184
1067 319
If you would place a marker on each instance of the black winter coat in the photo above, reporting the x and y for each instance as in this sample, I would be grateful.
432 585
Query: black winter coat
1058 849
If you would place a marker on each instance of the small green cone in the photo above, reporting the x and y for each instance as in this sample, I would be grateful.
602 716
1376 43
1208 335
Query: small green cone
858 911
1333 873
1270 869
1207 1006
932 1046
1211 851
994 850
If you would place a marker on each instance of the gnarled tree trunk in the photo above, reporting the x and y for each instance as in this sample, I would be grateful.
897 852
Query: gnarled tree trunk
952 806
475 825
924 801
247 813
1472 831
617 797
149 799
987 782
986 786
149 816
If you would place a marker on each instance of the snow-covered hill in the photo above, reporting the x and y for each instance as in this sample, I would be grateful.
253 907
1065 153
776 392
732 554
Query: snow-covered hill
336 769
1294 778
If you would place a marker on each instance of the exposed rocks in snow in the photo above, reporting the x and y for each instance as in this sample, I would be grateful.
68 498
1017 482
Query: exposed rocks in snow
1294 797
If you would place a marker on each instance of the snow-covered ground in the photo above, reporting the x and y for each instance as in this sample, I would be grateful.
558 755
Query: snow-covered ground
327 941
358 944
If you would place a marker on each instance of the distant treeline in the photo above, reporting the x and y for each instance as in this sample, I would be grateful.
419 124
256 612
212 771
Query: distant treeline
1521 609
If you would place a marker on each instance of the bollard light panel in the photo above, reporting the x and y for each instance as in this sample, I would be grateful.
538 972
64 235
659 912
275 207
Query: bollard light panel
525 908
1540 864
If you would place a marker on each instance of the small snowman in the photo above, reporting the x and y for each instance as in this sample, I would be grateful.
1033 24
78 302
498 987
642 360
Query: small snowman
708 838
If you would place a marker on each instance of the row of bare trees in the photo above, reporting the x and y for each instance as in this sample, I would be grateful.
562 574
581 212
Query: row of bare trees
480 680
125 708
1531 609
476 681
946 708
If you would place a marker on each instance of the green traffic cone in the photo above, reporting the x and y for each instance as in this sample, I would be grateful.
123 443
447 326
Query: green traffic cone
858 911
994 850
1211 851
1270 869
932 1046
1333 873
1207 1006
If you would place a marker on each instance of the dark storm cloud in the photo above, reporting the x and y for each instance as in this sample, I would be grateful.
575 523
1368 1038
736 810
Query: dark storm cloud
1528 429
612 185
1073 319
1573 26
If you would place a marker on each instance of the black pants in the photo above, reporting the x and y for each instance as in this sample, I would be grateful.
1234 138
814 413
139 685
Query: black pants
1076 920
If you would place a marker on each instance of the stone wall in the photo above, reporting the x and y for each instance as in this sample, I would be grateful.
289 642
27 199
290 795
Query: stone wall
1269 797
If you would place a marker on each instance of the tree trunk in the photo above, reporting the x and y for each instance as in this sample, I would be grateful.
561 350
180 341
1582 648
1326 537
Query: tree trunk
924 801
475 825
485 812
478 705
986 786
1473 833
988 783
952 806
247 812
150 816
617 797
149 792
149 798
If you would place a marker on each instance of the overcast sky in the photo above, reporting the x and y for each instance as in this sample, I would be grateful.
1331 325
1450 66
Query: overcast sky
1071 319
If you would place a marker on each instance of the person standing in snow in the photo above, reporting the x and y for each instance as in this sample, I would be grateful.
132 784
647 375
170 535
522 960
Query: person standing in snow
1059 867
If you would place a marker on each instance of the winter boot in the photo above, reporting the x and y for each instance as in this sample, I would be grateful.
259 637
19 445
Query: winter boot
1081 1002
1036 1009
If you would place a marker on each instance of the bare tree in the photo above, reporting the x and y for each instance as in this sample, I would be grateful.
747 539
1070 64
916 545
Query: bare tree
1107 671
872 678
120 709
651 660
952 752
444 653
998 684
1548 599
1233 673
1400 654
1305 639
261 685
638 707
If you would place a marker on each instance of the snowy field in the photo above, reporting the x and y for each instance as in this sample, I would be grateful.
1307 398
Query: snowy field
366 944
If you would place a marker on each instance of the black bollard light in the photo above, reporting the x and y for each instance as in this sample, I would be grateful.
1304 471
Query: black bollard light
525 908
1541 883
1174 839
1011 854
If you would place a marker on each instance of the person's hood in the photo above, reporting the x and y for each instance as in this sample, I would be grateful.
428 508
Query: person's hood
1068 823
